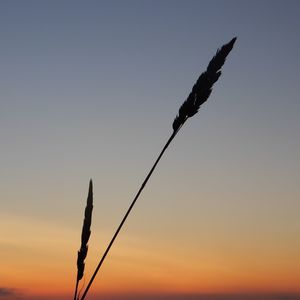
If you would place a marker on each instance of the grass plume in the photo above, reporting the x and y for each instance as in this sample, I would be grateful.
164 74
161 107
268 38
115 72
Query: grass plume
199 94
203 86
85 235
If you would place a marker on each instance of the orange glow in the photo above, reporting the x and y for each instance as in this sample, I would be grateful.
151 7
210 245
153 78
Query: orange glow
47 265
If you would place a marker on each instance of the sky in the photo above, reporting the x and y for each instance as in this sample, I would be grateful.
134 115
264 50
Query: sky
89 89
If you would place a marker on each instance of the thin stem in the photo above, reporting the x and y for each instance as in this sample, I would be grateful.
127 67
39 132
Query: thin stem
76 288
128 211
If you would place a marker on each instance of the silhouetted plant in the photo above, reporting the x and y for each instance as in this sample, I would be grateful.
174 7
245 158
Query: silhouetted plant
85 235
199 94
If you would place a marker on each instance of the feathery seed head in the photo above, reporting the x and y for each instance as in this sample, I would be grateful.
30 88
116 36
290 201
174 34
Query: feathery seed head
203 86
86 232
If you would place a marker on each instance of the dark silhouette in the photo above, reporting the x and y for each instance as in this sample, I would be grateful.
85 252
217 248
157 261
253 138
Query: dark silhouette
5 291
85 235
200 93
203 87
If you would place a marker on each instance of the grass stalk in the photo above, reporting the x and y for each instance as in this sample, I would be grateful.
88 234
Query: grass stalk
199 94
85 235
127 214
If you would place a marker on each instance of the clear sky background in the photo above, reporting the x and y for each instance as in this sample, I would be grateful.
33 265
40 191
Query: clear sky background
89 89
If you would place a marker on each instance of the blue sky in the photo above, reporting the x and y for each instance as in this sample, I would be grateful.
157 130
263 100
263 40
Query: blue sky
76 77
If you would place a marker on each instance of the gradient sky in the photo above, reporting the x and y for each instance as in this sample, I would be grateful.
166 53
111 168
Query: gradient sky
89 89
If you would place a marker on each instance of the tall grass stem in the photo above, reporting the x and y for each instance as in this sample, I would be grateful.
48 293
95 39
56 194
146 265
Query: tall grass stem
199 94
85 235
127 213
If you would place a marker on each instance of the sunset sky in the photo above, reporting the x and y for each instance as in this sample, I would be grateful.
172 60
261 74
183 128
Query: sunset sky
89 89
